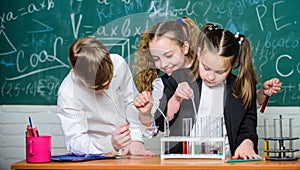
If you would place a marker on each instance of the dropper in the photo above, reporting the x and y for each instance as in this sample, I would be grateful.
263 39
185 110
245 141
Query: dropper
193 102
167 128
195 113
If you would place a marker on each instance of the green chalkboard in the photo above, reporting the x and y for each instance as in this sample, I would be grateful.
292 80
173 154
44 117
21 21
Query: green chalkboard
35 36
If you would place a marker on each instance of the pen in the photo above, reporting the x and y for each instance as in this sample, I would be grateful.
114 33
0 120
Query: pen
30 123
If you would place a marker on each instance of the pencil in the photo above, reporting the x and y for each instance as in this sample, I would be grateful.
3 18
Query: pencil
37 132
29 131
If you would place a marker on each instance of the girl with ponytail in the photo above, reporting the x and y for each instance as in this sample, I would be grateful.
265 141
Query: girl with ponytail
222 93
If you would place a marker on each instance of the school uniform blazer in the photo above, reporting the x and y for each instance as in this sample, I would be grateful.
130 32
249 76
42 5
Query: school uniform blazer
240 123
186 108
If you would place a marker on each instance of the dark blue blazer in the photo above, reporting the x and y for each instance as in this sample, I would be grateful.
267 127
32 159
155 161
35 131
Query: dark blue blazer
241 123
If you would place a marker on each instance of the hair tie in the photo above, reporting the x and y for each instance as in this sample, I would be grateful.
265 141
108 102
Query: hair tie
239 38
179 21
212 27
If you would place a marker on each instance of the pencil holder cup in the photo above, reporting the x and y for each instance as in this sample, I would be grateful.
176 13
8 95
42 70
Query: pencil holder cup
38 149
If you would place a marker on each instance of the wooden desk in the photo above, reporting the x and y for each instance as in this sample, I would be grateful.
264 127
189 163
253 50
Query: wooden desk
154 163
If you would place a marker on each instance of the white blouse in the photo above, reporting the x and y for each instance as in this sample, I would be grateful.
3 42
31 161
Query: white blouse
210 118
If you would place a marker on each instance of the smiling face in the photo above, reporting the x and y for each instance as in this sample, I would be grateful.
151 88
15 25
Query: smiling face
167 55
213 69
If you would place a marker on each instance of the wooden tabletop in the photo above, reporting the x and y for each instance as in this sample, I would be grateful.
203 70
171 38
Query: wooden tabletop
154 163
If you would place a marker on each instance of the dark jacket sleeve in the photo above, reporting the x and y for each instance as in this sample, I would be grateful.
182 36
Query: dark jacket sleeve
241 123
248 125
170 86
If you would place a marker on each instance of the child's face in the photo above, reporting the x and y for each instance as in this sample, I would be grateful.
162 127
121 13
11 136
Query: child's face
166 54
213 69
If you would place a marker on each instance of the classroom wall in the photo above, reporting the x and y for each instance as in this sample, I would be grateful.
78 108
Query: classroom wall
27 25
14 118
35 36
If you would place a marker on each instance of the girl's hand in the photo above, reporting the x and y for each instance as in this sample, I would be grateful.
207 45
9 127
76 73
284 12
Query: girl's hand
183 91
268 88
121 137
143 102
271 86
245 150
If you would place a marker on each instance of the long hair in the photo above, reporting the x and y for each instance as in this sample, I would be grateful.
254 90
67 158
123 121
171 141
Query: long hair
178 31
145 69
237 49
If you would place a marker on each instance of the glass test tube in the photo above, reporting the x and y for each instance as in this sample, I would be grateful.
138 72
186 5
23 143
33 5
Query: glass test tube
266 142
281 146
166 134
186 128
210 127
202 133
291 135
217 129
196 147
221 135
275 132
166 128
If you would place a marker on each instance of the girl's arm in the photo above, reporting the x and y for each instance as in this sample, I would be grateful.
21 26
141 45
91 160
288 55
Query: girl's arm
183 91
247 138
268 88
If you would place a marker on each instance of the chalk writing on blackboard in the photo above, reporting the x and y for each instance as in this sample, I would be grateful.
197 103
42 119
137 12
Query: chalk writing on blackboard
35 36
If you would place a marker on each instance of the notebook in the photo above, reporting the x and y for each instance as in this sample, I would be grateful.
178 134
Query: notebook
80 158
